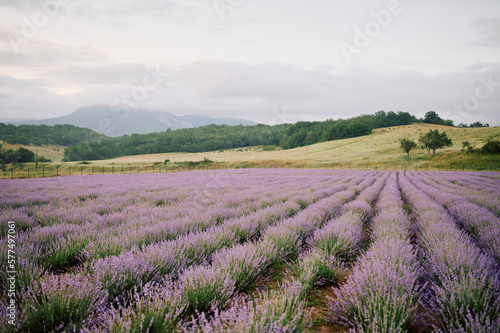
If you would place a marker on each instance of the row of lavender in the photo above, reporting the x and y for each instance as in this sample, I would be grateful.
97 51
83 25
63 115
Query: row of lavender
133 218
478 219
464 285
383 290
284 311
165 282
433 261
280 197
207 287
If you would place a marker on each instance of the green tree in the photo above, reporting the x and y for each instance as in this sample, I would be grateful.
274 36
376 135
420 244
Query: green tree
491 147
11 156
25 155
432 117
433 140
479 124
2 158
311 138
407 145
467 147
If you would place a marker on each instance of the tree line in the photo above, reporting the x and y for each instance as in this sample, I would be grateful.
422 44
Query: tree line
64 135
21 155
222 137
84 144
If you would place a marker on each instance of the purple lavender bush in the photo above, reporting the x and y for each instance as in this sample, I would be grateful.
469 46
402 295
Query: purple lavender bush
61 302
382 293
205 288
281 311
157 307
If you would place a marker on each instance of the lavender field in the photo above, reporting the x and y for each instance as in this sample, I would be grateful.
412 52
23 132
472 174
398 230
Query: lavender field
391 251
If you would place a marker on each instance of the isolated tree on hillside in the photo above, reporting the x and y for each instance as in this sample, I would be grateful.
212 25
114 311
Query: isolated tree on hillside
467 147
432 117
433 140
407 145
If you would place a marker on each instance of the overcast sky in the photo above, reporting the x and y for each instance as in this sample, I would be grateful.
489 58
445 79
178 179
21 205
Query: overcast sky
267 61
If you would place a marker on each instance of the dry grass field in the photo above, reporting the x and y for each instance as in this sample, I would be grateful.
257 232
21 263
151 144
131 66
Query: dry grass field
371 151
52 152
380 147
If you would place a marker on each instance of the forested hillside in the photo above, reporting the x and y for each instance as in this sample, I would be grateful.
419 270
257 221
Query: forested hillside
84 144
219 137
64 135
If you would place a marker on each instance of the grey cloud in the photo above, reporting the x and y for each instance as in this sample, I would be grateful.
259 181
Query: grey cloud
14 83
220 79
489 31
486 22
37 51
115 74
219 88
247 89
112 11
18 4
109 6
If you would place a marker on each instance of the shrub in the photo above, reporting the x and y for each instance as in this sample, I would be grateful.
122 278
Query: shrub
205 288
61 302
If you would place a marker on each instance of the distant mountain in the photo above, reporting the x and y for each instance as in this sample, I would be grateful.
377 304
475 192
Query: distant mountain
118 122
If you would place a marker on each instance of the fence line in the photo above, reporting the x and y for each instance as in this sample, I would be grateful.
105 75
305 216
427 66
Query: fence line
72 170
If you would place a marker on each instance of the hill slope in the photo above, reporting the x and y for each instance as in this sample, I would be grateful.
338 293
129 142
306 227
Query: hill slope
111 122
382 146
63 135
